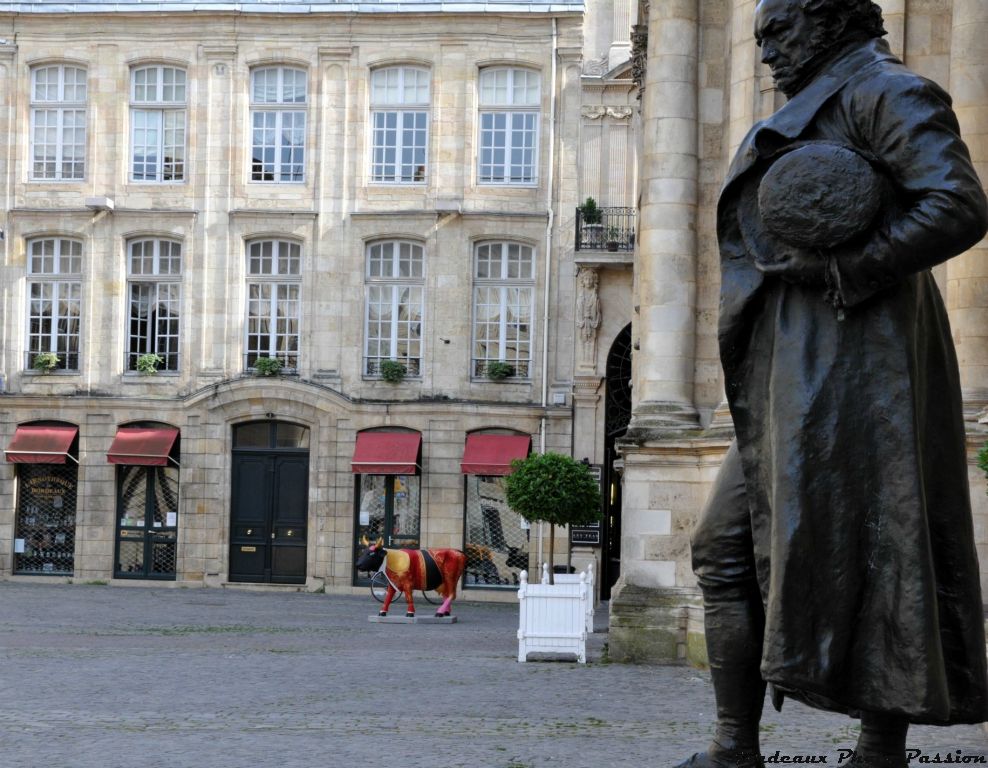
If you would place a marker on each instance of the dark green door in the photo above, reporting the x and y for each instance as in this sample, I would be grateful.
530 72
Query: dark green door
269 513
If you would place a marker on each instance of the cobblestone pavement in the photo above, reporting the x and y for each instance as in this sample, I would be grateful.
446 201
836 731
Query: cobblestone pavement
109 677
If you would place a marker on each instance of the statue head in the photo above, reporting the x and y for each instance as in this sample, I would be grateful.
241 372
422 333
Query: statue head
797 37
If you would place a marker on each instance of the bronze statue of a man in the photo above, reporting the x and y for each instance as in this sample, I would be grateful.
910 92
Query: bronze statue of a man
836 553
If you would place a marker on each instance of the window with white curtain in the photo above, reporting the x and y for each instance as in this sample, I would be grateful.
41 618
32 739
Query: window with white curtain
54 292
154 291
393 318
58 122
509 126
277 118
274 302
157 123
399 124
503 296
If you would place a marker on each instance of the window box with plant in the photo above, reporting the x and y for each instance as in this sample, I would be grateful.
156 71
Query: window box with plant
498 370
147 364
393 371
267 366
45 362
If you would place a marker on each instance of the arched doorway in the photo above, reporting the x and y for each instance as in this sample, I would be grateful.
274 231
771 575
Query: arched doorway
269 502
617 415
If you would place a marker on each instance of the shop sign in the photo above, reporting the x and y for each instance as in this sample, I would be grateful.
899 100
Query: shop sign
589 535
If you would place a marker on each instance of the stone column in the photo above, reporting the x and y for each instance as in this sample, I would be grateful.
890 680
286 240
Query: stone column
967 275
666 259
650 608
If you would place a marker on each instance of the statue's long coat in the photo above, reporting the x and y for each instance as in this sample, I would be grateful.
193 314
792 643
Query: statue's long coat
850 429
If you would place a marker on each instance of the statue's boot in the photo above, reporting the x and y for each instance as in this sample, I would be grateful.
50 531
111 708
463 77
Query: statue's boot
734 620
882 742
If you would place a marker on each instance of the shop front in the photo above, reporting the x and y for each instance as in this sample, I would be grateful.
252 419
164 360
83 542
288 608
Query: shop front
387 466
497 540
47 485
147 461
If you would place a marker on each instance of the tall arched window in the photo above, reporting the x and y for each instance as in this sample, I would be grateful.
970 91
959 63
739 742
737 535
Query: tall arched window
154 295
509 126
503 296
277 117
54 293
274 302
393 320
58 122
157 123
399 121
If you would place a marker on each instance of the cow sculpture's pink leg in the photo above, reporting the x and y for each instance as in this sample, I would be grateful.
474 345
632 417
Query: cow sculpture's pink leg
445 608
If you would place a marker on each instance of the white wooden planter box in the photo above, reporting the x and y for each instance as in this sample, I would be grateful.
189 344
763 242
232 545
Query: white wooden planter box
568 578
553 618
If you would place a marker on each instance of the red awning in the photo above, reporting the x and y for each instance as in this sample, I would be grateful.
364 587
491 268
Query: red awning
493 454
387 453
41 445
144 446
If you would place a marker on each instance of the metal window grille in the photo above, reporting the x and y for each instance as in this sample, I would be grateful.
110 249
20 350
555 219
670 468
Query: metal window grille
45 531
147 522
496 537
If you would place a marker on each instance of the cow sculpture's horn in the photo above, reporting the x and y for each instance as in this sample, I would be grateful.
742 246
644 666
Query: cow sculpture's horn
364 541
379 543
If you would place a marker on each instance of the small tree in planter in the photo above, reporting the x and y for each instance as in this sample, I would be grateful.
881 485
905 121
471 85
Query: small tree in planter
147 365
498 370
46 362
267 366
983 459
393 371
555 489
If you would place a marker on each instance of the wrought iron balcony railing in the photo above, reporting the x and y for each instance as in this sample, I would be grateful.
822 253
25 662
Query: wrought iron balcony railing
607 229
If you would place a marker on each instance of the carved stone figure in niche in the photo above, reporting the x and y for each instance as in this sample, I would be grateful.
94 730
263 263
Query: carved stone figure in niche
836 553
588 314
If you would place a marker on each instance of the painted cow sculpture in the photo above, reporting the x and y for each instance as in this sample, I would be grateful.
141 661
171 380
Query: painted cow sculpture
410 569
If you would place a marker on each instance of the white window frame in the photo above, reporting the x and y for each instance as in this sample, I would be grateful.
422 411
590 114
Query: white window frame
282 282
386 286
59 275
163 117
502 285
396 97
510 108
160 275
277 115
61 113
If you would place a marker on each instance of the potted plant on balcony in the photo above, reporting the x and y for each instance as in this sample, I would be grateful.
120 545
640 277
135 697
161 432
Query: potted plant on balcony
498 370
267 366
46 362
147 365
393 371
613 238
592 229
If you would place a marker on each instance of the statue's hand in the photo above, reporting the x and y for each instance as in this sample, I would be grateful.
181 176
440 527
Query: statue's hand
798 266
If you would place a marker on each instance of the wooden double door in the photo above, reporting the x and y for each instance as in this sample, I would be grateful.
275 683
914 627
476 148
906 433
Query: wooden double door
269 515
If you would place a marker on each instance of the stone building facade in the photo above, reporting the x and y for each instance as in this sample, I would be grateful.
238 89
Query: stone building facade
703 87
221 187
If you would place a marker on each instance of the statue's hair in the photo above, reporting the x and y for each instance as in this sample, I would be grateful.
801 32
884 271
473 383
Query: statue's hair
845 17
